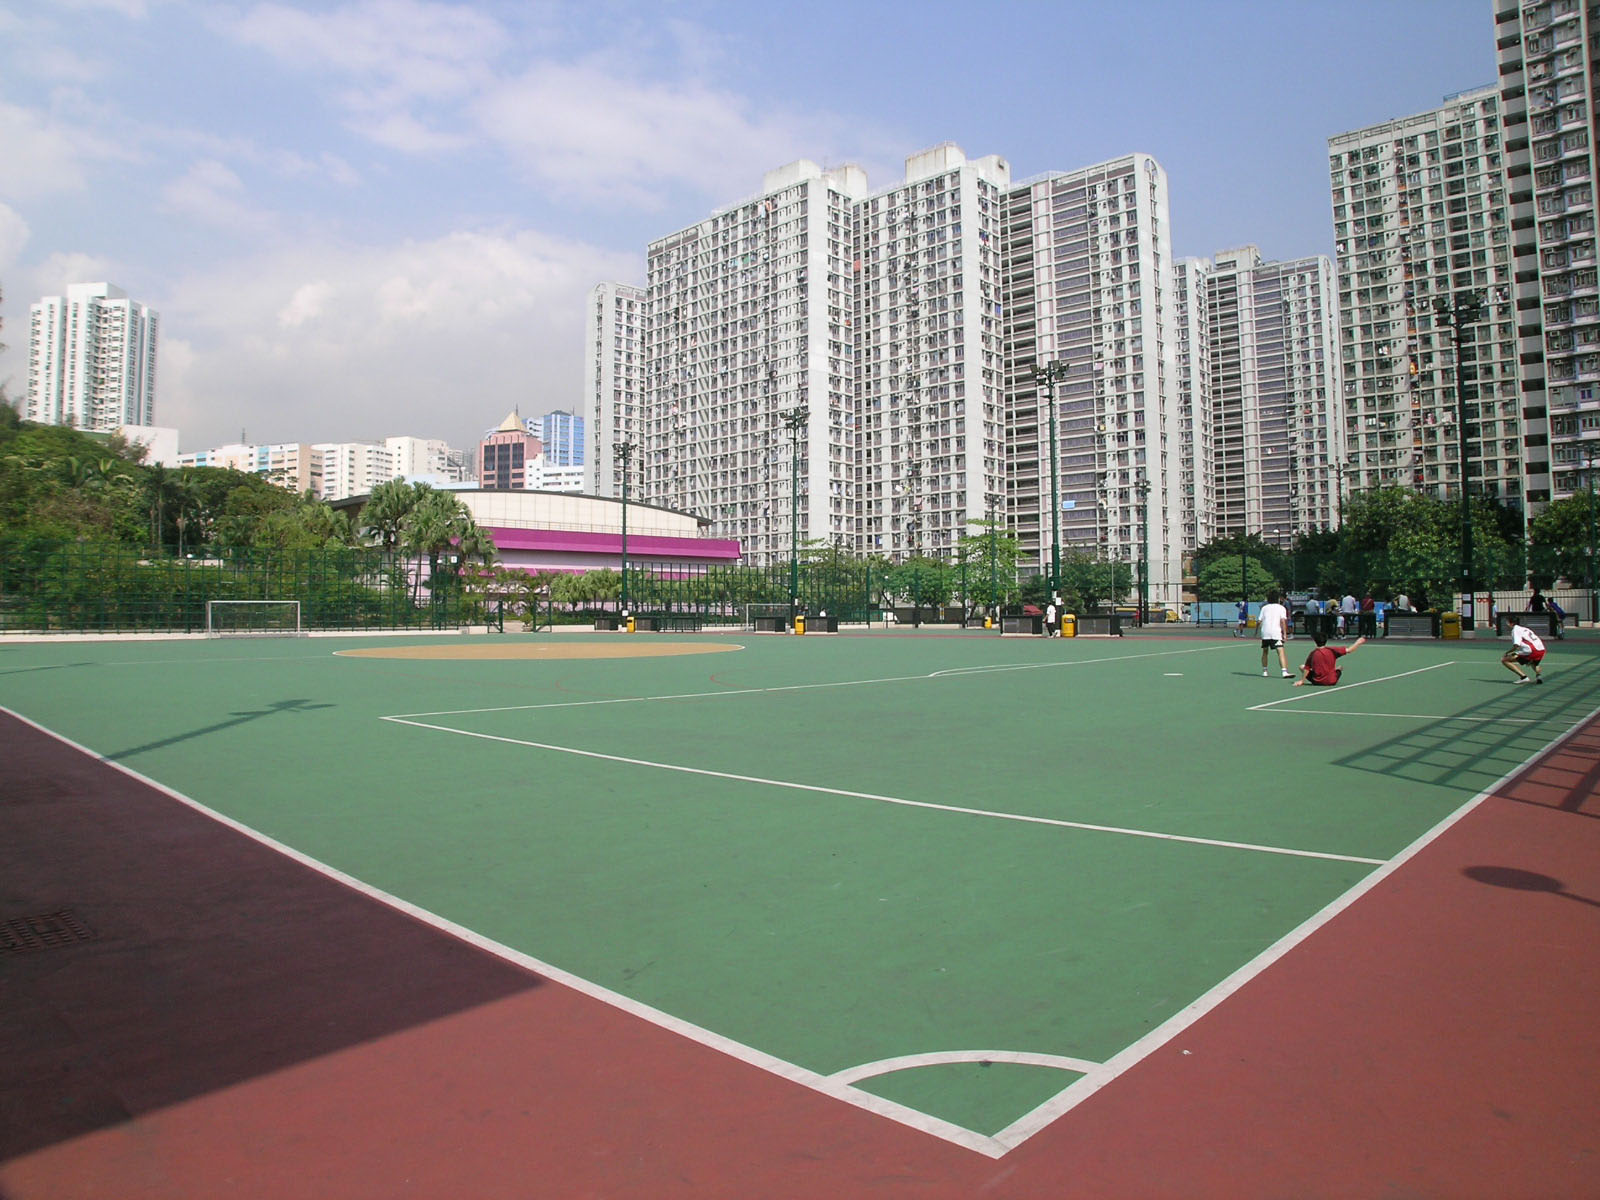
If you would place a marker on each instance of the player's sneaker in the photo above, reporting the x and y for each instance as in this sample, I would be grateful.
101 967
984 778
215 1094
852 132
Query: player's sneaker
1264 674
1524 679
1286 675
1538 679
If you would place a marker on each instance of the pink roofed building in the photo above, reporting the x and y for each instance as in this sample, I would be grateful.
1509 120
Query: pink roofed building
507 458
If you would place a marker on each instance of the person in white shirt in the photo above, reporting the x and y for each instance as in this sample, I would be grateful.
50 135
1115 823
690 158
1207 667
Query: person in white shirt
1274 624
1402 603
1348 611
1527 650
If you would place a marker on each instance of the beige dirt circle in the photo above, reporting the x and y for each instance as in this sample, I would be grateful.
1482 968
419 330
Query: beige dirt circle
551 650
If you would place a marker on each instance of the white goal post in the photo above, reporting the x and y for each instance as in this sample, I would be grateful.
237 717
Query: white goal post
253 618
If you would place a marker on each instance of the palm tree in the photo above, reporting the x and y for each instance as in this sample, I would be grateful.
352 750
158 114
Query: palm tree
387 510
435 523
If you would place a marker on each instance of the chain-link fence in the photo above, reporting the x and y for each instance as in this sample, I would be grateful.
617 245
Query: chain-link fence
88 588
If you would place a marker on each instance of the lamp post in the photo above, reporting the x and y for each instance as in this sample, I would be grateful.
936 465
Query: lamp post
994 567
625 452
1589 453
1048 376
1465 309
1143 488
794 420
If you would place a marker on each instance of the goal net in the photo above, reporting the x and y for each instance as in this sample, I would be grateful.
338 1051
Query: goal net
757 616
253 618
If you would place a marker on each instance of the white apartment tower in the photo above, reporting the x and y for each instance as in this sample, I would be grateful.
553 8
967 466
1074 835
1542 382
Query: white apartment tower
1089 284
1548 80
749 363
1421 215
613 379
1276 442
923 339
352 468
91 359
1191 282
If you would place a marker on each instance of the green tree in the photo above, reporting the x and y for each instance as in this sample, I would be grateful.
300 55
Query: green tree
386 510
1559 541
1221 580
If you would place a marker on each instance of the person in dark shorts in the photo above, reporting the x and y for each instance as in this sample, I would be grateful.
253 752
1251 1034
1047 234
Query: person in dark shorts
1321 669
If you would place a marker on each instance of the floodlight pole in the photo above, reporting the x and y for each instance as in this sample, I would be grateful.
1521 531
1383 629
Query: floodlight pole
1465 309
1143 488
794 420
625 452
994 568
1589 453
1048 376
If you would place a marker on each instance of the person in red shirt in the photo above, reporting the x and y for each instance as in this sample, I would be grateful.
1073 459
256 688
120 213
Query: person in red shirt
1321 668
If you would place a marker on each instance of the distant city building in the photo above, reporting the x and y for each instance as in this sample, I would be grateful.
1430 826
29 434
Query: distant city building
562 434
160 443
1191 283
91 359
352 468
420 458
613 378
292 465
1273 436
508 458
1420 216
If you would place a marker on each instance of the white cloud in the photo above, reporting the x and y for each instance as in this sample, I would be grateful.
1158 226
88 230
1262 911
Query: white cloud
13 237
212 193
42 156
436 338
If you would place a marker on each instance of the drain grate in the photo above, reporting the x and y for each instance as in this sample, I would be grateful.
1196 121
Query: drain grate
44 932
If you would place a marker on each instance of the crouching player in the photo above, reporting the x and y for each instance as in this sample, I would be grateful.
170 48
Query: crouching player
1527 650
1321 669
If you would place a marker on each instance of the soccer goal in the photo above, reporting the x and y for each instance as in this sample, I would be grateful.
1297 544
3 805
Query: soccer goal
765 618
253 618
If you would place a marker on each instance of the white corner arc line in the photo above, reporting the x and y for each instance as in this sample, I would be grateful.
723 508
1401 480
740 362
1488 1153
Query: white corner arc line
1349 687
902 801
907 1062
948 1131
1076 1093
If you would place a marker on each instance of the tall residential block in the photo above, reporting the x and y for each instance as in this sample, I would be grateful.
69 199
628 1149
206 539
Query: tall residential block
1547 52
613 375
353 468
91 359
1089 283
1421 216
1191 282
1275 441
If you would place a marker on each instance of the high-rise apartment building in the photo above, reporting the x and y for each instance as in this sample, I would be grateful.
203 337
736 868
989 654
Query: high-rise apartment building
922 341
91 359
563 436
1421 216
421 458
749 363
1088 282
1275 441
1191 285
613 377
1547 53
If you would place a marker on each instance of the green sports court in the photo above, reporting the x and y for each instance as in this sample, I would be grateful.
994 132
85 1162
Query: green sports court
958 882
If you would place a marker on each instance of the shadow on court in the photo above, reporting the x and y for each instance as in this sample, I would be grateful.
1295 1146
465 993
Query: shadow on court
1523 881
150 954
1482 742
238 718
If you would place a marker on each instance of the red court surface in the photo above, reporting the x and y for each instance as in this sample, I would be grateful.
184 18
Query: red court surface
223 1021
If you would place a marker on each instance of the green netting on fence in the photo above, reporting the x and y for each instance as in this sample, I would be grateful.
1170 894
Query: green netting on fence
88 588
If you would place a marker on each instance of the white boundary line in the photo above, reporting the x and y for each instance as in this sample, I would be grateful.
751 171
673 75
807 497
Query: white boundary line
883 799
800 687
1349 687
1077 1092
1333 712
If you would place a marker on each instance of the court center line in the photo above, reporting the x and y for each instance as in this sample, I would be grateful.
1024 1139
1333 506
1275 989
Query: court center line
898 800
1350 687
798 687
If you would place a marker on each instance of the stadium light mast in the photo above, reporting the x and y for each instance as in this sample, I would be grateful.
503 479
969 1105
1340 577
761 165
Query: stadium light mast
994 558
625 452
1048 376
794 420
1589 454
1465 309
1143 488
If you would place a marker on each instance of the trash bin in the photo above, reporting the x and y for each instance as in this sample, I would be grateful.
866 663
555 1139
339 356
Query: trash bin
799 622
1450 625
628 617
1069 625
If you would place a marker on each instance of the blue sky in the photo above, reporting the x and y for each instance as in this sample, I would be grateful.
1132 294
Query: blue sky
383 217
